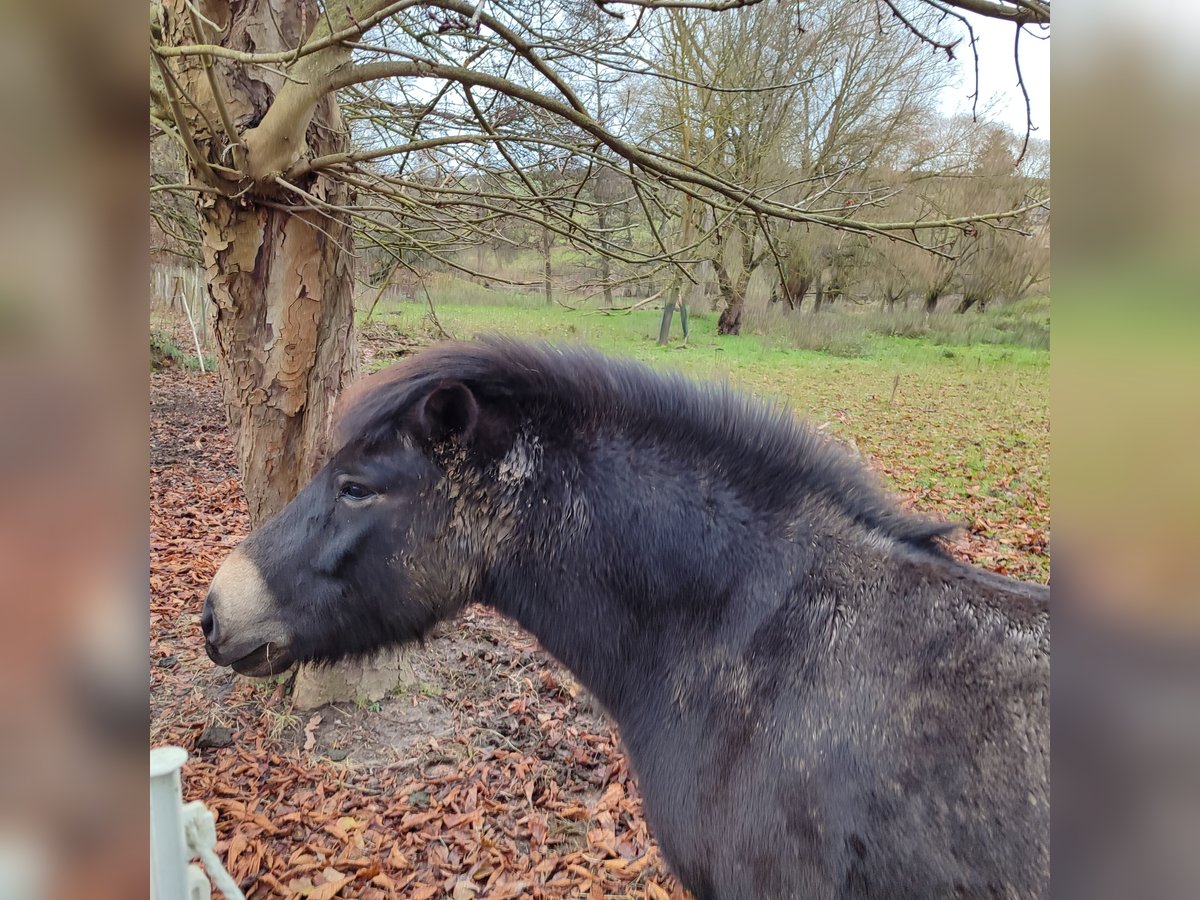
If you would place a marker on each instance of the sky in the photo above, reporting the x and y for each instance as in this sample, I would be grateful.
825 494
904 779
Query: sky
998 76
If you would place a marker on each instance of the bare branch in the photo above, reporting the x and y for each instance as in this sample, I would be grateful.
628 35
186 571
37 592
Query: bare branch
184 188
211 75
181 126
711 5
946 46
1029 126
681 176
1020 11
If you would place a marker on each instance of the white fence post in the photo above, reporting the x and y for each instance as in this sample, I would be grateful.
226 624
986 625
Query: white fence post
179 832
172 877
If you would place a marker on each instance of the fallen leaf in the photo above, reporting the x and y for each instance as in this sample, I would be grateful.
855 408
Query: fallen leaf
310 732
330 889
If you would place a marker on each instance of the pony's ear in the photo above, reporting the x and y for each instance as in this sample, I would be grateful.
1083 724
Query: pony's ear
448 412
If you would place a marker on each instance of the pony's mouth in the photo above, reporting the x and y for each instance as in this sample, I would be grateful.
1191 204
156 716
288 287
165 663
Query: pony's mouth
269 659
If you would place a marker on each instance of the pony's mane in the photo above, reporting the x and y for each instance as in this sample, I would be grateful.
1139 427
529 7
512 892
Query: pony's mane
770 457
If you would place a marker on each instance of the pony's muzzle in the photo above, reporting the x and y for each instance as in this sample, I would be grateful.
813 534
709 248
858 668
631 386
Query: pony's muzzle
240 615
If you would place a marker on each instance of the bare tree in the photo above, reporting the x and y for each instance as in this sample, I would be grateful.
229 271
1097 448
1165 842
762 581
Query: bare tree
730 105
802 103
998 262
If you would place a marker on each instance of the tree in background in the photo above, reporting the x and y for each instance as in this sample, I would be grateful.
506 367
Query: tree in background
803 102
729 105
999 263
984 261
870 92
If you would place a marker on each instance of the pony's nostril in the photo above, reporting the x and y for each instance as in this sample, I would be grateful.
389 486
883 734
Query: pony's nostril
208 622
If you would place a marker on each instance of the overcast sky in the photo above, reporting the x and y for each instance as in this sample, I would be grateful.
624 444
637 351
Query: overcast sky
998 76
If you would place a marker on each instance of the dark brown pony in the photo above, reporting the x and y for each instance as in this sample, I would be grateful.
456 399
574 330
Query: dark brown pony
817 701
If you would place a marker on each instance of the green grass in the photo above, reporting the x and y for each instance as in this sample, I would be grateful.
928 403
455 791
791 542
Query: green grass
962 430
165 352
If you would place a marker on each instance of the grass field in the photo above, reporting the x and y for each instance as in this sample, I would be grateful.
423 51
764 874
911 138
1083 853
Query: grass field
962 430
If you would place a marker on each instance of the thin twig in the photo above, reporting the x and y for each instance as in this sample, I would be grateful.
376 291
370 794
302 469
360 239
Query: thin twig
209 72
1029 126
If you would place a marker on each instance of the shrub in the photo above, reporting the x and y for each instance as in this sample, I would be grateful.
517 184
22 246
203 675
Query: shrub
166 352
845 330
829 331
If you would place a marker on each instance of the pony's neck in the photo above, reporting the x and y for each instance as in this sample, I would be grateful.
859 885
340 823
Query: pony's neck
621 566
590 628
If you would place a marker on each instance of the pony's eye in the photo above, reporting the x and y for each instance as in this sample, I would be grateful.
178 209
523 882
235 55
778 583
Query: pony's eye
355 491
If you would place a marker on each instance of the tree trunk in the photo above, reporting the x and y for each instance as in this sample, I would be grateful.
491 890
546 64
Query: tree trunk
606 276
284 321
819 296
605 262
967 302
730 321
732 299
668 313
931 301
731 316
795 289
280 280
547 285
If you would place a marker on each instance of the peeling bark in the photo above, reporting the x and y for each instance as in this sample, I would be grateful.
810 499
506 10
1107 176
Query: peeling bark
283 318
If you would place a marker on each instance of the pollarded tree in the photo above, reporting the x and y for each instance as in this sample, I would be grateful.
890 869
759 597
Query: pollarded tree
279 276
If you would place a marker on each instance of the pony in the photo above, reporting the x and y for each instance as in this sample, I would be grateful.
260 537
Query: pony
816 699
